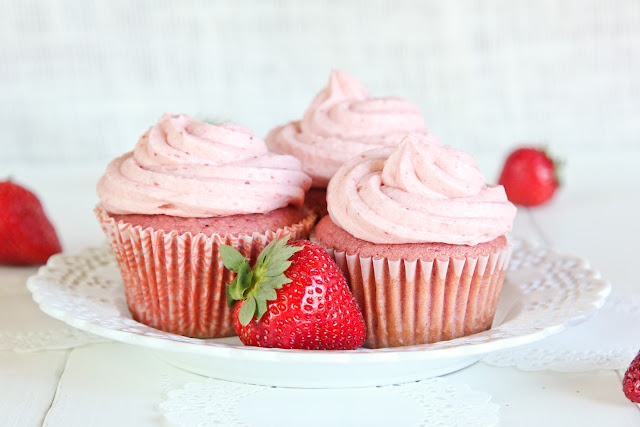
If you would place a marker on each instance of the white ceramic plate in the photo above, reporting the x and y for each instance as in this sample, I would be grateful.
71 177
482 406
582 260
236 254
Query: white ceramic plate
544 293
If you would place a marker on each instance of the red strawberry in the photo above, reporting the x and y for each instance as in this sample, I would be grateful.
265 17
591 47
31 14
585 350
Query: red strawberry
631 381
529 177
295 297
26 235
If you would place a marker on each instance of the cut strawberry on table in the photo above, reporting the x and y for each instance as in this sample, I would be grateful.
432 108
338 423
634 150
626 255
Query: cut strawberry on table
529 176
631 381
294 297
26 235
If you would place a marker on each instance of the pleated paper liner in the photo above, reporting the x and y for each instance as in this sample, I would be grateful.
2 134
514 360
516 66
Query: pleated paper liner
176 282
419 302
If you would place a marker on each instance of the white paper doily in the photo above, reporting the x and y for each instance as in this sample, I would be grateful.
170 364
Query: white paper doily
432 402
609 340
544 293
24 327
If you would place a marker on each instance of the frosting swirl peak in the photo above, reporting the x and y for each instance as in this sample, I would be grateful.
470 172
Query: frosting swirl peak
183 167
342 121
417 193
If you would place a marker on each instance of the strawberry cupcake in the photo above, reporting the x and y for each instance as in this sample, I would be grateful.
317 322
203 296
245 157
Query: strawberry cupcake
421 239
187 188
342 121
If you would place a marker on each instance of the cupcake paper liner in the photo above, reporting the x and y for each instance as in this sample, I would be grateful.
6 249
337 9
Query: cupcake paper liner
176 282
419 302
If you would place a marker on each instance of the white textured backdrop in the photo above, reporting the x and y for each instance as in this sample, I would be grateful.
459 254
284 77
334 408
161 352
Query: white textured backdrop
81 80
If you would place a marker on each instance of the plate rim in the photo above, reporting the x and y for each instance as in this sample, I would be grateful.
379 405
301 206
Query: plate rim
361 355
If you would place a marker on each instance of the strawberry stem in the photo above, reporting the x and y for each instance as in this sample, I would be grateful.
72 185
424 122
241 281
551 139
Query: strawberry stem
257 286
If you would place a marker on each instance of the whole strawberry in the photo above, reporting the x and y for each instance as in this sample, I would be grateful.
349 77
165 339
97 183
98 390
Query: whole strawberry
631 381
529 177
26 235
294 297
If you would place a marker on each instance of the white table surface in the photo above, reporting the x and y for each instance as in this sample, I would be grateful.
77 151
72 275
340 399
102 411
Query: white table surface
105 384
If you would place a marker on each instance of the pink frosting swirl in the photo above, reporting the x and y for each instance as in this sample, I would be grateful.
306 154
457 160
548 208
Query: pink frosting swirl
416 193
182 167
342 121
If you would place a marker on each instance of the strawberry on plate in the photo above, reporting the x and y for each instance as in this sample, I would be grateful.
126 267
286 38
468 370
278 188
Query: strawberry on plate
529 176
26 234
294 297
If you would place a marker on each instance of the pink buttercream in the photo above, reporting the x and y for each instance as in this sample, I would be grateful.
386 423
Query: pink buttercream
182 167
416 193
342 121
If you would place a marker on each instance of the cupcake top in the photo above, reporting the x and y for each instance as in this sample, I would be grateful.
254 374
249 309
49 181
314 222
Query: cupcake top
418 193
342 121
182 167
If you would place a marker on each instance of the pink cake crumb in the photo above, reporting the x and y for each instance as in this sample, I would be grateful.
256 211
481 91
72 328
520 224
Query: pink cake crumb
328 234
234 224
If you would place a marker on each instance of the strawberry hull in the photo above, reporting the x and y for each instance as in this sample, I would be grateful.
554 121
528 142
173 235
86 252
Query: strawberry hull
176 282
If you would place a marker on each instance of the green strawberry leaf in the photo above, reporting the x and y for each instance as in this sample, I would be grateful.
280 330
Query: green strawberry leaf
275 282
241 283
262 307
258 285
231 258
276 268
285 253
246 312
266 294
234 290
266 252
230 300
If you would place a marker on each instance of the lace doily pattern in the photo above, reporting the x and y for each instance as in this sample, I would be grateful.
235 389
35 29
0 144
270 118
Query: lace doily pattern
544 293
609 340
433 402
